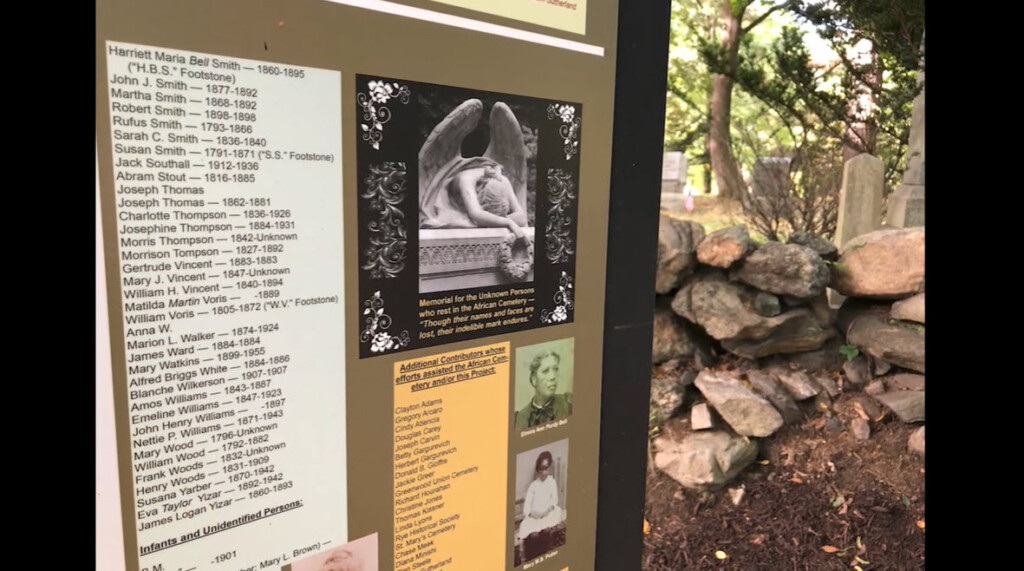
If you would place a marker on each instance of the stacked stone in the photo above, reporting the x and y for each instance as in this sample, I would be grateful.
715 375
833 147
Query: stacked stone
881 273
722 290
747 405
754 300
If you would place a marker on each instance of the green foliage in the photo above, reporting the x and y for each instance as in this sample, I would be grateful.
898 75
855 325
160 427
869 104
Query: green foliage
849 350
689 83
784 98
894 30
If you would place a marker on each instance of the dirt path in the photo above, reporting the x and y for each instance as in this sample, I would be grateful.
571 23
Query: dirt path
816 499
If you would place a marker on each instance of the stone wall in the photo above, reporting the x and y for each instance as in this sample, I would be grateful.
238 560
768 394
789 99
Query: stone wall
763 308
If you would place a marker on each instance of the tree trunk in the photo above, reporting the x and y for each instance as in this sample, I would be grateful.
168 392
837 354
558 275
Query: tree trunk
723 162
706 167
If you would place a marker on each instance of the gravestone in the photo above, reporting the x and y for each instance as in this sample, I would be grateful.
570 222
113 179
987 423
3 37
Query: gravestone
860 203
771 176
673 181
906 205
673 172
860 199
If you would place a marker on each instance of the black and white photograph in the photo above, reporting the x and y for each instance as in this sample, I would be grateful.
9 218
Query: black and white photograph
476 202
543 382
540 510
467 211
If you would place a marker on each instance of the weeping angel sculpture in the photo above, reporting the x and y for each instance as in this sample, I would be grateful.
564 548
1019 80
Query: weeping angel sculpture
488 191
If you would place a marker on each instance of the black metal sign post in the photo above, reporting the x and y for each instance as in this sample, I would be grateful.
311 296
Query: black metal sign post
629 301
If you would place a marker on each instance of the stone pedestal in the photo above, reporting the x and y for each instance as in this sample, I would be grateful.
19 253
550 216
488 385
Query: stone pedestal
460 258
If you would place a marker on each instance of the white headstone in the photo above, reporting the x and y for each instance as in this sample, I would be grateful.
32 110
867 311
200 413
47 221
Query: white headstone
673 172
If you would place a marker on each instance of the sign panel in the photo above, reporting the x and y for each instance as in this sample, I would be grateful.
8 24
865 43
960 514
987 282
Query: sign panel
568 15
347 281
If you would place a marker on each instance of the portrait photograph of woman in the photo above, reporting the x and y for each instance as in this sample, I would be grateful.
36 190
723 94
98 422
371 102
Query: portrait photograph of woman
543 383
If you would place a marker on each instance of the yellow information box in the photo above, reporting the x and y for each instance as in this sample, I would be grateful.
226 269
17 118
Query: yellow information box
451 469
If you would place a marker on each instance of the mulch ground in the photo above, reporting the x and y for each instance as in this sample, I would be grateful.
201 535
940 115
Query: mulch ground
816 499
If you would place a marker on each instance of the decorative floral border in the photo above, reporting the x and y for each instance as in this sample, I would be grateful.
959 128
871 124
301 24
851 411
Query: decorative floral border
384 191
558 234
374 111
377 323
563 302
570 129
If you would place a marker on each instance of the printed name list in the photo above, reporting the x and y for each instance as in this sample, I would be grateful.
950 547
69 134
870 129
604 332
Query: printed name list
227 194
451 459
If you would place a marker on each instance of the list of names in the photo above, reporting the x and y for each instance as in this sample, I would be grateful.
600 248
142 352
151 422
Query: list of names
228 199
450 468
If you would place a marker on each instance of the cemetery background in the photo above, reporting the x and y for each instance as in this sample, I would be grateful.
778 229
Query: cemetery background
787 394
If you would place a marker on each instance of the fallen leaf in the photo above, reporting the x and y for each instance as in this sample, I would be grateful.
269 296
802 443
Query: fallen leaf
764 462
796 480
736 495
906 501
829 548
838 501
720 554
857 568
647 527
859 409
920 523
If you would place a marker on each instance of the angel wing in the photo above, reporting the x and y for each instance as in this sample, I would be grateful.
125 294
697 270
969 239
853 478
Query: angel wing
445 140
508 149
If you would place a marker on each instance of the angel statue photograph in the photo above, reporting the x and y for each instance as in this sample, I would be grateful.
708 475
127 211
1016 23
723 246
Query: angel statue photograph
473 209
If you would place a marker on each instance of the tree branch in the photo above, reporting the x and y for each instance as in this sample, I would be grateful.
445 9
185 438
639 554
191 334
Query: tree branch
678 92
761 18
